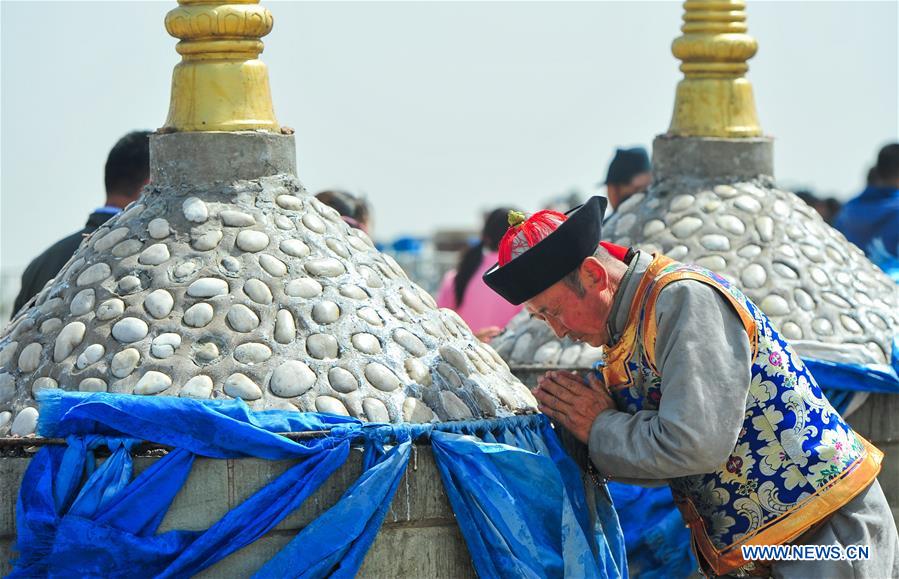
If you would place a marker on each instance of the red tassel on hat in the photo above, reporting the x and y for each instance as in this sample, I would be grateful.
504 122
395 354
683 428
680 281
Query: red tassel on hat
526 233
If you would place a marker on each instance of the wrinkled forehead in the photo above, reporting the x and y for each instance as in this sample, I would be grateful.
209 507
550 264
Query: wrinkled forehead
551 300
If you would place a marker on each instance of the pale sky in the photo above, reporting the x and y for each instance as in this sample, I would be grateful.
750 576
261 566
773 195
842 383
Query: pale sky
436 111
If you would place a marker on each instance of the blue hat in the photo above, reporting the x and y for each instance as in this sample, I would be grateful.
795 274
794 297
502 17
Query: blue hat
626 164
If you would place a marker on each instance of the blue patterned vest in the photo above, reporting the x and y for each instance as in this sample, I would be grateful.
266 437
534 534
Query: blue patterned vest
795 462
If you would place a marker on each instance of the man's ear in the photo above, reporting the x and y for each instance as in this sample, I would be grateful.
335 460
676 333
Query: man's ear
593 275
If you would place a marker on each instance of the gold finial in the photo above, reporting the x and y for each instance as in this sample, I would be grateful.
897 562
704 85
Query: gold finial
516 218
714 99
220 84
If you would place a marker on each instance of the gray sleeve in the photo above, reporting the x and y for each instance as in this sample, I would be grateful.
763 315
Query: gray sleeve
703 354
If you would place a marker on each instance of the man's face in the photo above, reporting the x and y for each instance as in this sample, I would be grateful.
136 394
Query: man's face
579 316
618 192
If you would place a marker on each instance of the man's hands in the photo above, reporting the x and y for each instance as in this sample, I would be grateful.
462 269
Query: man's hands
488 333
565 398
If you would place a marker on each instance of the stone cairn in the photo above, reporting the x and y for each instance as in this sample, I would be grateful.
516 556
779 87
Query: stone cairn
228 280
715 203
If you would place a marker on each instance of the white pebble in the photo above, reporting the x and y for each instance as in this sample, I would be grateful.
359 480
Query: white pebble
292 378
92 385
294 247
195 210
90 355
129 330
197 387
370 315
774 305
416 411
325 312
124 363
285 327
159 303
749 251
416 370
456 359
129 284
326 267
158 228
314 223
715 242
682 202
375 410
412 300
272 265
105 242
330 405
206 240
765 226
454 407
242 319
231 264
164 345
237 218
83 302
152 382
548 353
353 292
94 274
25 422
67 340
822 326
714 263
289 202
206 351
322 346
257 291
303 287
240 385
791 331
207 287
283 222
30 357
127 247
753 276
342 380
337 247
747 203
154 255
731 224
686 226
198 315
381 377
652 227
803 299
43 383
252 240
49 326
7 353
252 353
366 343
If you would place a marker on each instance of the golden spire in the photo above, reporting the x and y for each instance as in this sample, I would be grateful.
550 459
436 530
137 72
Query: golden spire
714 99
220 85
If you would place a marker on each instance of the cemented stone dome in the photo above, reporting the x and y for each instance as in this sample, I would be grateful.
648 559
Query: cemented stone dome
248 289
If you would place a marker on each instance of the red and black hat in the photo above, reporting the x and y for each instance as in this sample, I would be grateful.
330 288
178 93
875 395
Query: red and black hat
539 251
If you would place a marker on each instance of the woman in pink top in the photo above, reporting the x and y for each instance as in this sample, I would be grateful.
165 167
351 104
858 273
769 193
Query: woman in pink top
463 290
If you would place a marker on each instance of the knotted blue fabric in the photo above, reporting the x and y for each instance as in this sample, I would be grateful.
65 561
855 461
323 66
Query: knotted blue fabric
518 498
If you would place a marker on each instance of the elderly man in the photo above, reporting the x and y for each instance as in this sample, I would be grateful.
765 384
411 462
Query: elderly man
698 391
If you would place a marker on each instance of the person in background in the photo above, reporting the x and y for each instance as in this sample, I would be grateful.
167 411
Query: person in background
827 208
127 172
629 172
354 210
871 220
464 290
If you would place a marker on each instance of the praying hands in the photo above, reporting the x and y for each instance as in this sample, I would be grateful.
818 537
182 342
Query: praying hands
572 403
